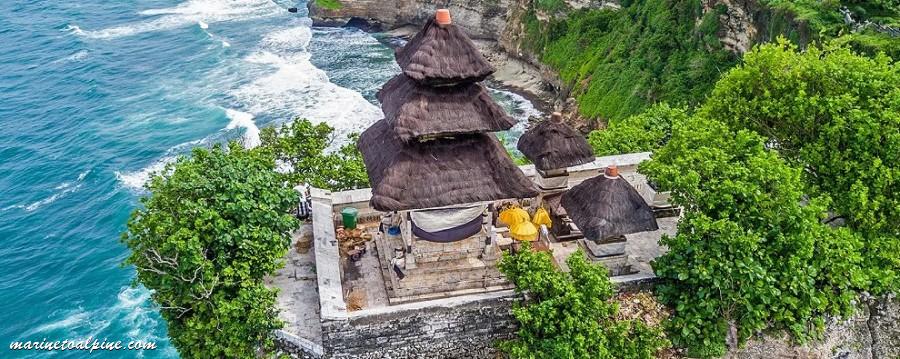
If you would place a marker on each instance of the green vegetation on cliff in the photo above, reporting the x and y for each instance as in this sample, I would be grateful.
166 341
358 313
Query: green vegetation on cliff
620 61
216 223
785 142
303 148
570 314
836 114
639 133
329 4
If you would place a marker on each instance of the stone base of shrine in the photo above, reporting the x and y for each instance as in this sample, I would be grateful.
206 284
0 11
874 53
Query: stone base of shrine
462 269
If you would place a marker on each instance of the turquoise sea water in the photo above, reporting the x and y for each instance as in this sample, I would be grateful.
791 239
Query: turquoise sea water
95 95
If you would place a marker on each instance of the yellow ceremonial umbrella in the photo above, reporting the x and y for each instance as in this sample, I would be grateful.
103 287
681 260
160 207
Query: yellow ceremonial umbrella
542 217
524 231
513 216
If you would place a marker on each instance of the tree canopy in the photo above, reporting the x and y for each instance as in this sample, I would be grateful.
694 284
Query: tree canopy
569 315
639 133
304 149
215 224
836 114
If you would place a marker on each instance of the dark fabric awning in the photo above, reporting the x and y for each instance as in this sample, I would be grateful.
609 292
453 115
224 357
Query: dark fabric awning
442 55
441 172
604 207
415 110
553 145
452 234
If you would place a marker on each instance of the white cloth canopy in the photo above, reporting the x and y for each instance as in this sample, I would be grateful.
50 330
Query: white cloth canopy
435 220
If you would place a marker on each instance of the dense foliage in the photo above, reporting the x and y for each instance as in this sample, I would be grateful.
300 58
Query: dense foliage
303 148
214 225
620 61
330 4
751 252
639 133
569 315
836 114
805 21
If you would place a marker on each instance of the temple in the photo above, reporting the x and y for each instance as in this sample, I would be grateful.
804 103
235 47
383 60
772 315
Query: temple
599 211
436 170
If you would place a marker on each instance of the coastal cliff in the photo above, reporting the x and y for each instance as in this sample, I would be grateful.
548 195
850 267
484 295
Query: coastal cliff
506 32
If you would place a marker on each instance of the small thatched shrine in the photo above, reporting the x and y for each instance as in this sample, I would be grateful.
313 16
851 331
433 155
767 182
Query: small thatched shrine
434 167
606 208
553 146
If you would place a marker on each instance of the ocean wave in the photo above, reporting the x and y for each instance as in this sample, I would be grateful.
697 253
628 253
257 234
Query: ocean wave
77 56
133 309
188 13
62 189
300 90
244 120
69 320
136 180
286 41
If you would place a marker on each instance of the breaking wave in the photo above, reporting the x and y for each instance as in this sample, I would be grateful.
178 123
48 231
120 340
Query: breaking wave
203 12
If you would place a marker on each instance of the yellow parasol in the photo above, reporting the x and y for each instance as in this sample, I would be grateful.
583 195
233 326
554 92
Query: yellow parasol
524 231
542 217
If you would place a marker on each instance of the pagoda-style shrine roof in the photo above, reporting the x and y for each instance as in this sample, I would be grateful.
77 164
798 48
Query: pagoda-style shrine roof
608 206
415 110
440 172
442 54
552 144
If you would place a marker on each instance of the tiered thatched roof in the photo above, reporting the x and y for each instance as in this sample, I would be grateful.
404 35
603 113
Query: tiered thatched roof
415 110
442 54
607 206
553 144
437 173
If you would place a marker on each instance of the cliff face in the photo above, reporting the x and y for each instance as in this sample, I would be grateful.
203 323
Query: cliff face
482 19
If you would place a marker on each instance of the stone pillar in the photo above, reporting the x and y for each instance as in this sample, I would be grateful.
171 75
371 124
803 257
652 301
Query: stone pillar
408 239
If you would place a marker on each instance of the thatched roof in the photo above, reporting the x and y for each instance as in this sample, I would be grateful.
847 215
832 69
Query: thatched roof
416 110
604 207
442 54
440 172
553 144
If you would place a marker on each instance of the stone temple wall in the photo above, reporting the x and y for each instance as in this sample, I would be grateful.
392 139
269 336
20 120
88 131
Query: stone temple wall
453 330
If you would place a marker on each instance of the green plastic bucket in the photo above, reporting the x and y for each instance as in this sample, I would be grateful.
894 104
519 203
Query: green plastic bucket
349 215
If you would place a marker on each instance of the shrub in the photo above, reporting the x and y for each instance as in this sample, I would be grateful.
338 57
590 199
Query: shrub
639 133
750 253
836 114
215 224
305 150
569 315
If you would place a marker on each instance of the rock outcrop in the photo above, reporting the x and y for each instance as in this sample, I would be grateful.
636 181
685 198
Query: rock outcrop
482 19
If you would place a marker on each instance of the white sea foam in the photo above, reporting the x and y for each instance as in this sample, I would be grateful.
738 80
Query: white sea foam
136 180
203 12
62 190
77 56
132 309
203 25
297 88
74 29
244 120
70 319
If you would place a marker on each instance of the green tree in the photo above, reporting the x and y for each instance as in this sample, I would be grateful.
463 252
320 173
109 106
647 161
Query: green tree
639 133
569 315
751 253
214 225
837 115
305 148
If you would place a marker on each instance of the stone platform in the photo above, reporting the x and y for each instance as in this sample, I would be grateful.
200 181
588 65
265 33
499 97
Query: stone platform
438 279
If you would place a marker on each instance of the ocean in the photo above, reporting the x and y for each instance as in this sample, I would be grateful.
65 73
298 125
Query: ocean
96 95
